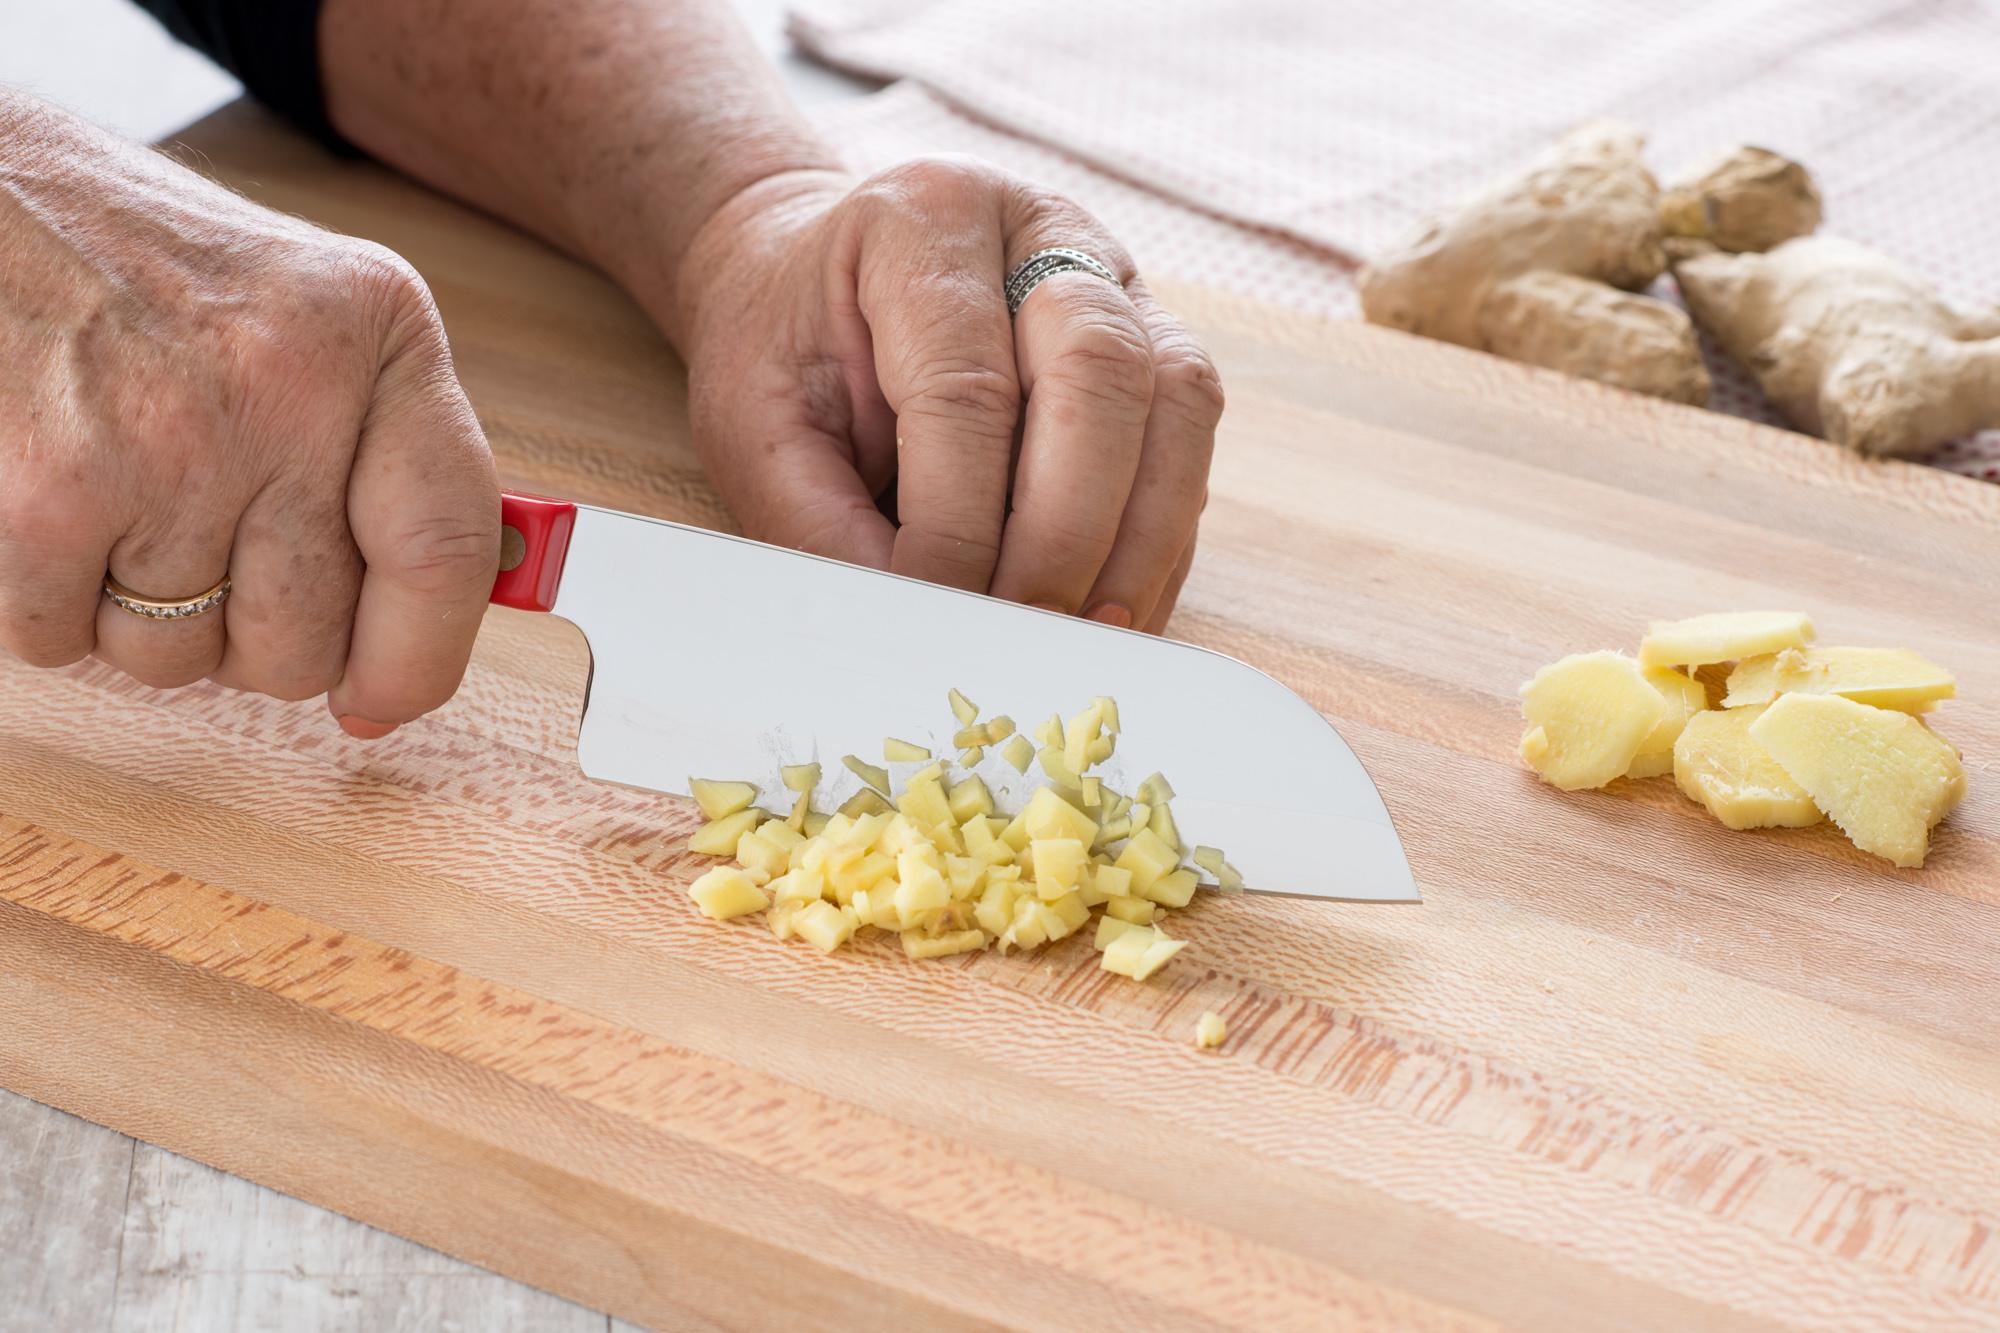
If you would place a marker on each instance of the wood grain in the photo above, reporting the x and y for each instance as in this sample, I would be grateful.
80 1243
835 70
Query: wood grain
1624 1068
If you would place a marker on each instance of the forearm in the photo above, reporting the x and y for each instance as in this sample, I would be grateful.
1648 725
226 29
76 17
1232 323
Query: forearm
613 128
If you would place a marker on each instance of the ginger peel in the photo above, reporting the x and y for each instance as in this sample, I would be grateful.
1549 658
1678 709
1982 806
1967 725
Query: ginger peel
1545 267
1742 199
1849 344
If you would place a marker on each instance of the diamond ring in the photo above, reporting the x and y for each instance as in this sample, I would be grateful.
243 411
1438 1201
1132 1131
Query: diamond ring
153 609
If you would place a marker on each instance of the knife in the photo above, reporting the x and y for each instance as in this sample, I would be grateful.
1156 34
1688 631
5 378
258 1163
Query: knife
717 657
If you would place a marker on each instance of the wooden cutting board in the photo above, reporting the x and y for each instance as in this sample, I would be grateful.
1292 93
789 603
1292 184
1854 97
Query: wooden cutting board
1623 1068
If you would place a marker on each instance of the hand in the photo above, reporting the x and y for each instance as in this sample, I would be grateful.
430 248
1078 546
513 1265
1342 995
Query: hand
191 386
839 339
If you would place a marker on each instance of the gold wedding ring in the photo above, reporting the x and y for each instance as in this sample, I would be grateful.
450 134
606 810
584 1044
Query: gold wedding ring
153 609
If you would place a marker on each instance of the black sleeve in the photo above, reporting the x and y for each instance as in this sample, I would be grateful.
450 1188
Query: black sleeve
271 45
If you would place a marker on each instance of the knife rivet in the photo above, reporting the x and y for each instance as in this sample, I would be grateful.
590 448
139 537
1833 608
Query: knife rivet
513 549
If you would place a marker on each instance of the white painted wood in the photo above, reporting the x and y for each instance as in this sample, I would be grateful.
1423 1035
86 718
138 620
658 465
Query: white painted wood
62 1208
205 1250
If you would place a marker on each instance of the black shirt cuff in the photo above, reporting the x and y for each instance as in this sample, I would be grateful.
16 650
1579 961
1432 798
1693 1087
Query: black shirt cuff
271 45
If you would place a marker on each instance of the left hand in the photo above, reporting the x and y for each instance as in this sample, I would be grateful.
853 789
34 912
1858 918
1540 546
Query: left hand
842 337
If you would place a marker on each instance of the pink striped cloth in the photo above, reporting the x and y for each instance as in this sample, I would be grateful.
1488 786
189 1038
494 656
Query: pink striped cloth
1270 146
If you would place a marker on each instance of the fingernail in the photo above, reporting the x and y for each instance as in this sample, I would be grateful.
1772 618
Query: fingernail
363 730
1111 613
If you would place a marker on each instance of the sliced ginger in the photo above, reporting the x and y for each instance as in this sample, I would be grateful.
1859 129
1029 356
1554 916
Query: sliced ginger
1717 763
1879 774
947 871
1684 696
1805 733
1885 677
1723 636
1587 717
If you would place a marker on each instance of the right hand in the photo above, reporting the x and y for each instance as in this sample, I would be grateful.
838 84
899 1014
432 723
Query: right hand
193 386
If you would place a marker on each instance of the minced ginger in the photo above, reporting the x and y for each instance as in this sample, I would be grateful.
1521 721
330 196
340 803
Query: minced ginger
941 866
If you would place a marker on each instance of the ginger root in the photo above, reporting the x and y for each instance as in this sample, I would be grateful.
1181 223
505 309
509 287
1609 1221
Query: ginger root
1545 268
1743 198
1849 344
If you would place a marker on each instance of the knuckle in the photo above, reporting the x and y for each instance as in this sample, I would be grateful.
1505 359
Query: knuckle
389 283
970 392
43 645
931 179
1073 545
380 269
446 552
1186 379
817 529
1107 362
949 553
298 684
291 657
37 522
169 673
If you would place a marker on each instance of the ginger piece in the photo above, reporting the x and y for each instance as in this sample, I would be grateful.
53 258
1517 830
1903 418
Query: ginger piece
1139 952
1211 860
823 925
1722 636
1743 198
719 800
1885 677
1587 716
1545 268
719 837
1685 696
963 708
1849 344
727 891
1881 775
1209 1030
1719 764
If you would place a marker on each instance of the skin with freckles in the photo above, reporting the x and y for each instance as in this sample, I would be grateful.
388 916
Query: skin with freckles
192 386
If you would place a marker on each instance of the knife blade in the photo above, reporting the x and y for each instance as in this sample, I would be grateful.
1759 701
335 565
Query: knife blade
714 656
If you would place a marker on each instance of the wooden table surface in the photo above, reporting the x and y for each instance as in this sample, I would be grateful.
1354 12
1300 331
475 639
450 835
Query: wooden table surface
1624 1068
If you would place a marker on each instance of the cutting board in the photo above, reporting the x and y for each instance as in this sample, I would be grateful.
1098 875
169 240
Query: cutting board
1622 1068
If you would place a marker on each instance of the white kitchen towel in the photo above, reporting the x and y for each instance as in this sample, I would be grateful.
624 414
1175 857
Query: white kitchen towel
1328 129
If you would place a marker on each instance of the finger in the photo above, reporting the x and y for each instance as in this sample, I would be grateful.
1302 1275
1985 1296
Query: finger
798 487
53 554
174 553
1086 363
944 356
424 507
1172 481
295 577
1170 595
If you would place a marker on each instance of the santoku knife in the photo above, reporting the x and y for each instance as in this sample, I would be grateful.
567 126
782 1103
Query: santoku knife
717 657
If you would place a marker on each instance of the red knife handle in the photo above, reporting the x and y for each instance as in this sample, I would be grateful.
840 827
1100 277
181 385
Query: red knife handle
534 541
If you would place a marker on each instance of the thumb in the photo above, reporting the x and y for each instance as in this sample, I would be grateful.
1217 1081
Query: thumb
424 506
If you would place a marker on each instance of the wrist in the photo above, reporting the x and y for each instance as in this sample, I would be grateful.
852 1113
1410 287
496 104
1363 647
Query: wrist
744 232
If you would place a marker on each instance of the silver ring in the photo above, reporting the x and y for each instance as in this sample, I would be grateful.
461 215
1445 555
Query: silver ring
1042 265
153 608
